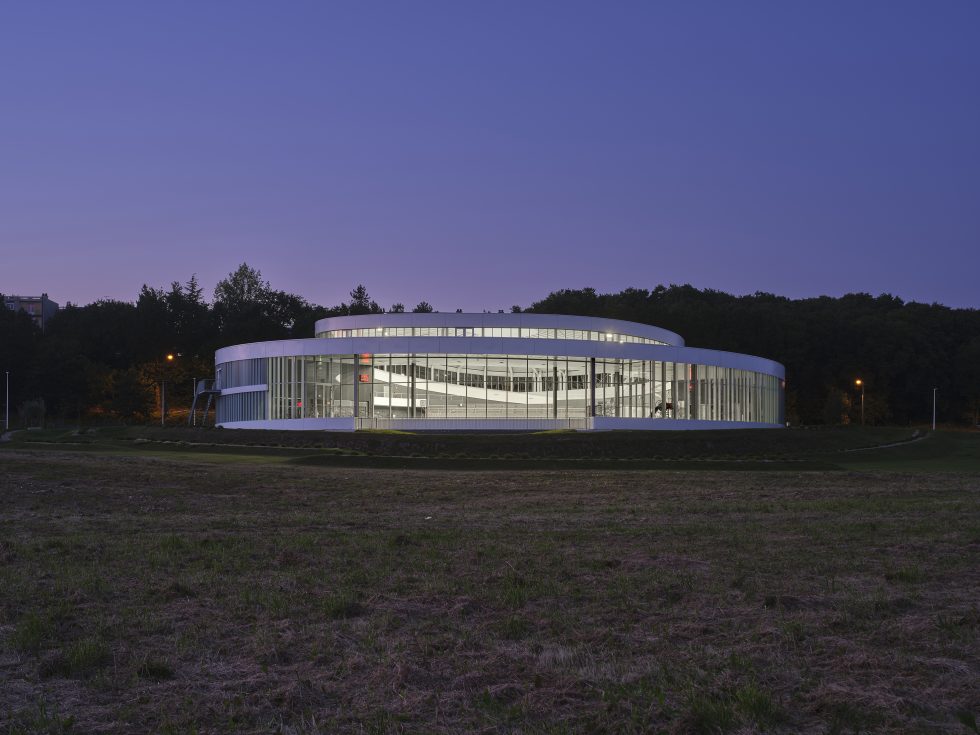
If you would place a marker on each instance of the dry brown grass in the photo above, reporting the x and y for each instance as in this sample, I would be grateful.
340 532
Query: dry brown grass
141 594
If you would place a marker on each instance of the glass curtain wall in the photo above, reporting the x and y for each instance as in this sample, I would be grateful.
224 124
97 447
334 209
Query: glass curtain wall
479 386
240 373
442 386
241 407
311 387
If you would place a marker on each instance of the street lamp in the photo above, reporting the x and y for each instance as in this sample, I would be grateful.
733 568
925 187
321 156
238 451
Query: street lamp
163 394
934 408
860 383
6 425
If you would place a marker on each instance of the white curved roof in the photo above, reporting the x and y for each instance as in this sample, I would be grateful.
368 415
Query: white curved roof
534 321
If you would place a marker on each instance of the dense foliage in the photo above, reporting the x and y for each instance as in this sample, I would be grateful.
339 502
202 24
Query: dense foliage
109 358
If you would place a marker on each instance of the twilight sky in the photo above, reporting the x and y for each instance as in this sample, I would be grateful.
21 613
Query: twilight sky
482 154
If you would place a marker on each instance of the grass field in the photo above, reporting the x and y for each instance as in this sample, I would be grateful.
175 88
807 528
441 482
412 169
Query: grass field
754 449
179 581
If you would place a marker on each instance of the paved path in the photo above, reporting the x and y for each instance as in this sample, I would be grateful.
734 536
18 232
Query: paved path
913 440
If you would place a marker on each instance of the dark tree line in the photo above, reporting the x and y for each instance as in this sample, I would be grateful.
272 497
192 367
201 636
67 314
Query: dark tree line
107 359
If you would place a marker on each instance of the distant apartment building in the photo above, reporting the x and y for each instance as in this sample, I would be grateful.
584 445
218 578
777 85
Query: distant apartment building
40 308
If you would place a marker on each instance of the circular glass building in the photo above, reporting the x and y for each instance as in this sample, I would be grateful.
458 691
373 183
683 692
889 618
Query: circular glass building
465 372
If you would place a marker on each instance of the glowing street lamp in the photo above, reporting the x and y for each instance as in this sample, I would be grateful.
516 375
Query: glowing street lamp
163 392
860 384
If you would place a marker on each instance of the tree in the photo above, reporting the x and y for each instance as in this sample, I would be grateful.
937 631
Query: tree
112 333
397 308
132 397
967 373
32 412
156 326
193 291
875 410
361 302
422 307
190 318
836 407
247 309
20 344
241 289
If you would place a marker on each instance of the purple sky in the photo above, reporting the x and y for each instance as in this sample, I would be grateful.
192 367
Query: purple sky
481 154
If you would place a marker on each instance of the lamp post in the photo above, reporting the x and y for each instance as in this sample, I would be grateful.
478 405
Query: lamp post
163 394
934 408
860 383
6 402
